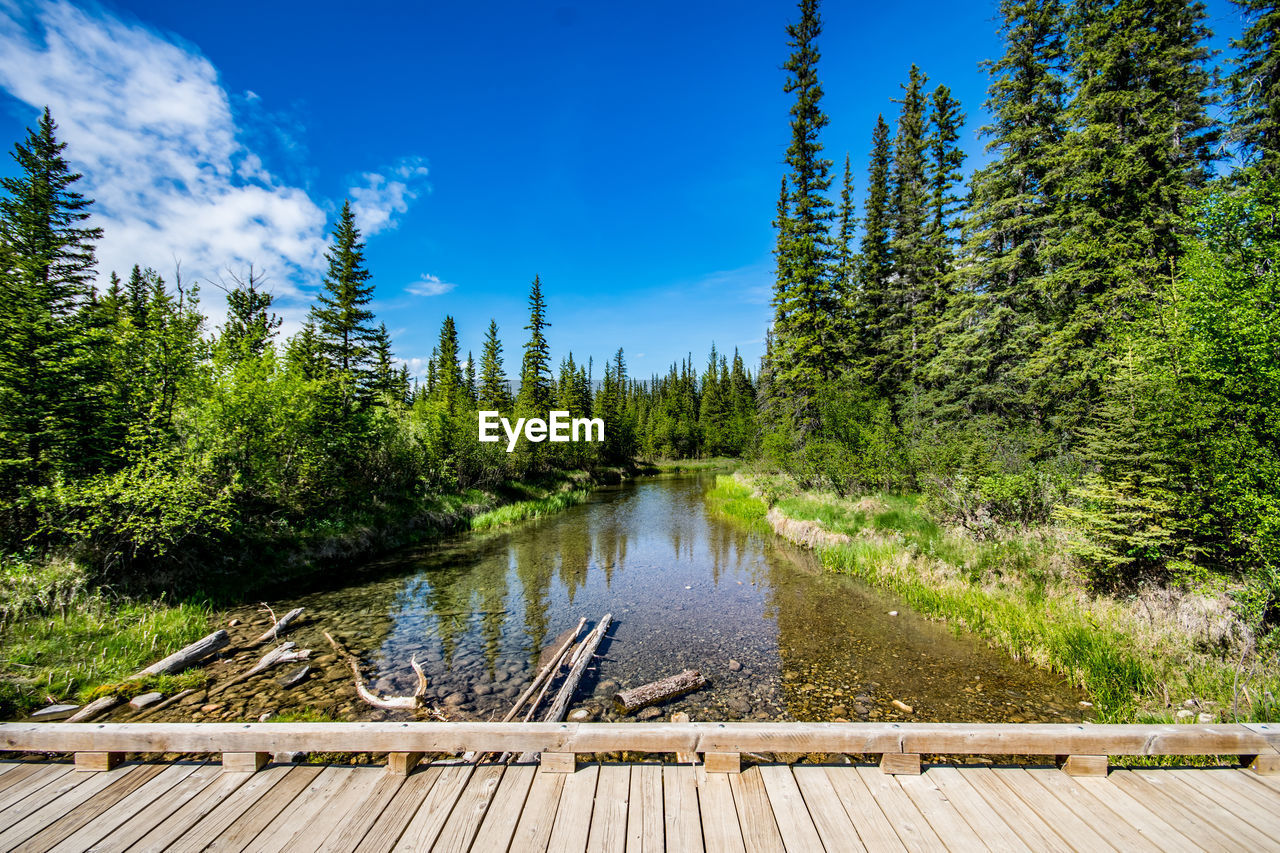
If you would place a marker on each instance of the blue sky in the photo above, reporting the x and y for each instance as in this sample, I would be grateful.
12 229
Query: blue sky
628 153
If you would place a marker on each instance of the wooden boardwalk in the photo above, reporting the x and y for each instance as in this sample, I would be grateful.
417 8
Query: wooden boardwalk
631 807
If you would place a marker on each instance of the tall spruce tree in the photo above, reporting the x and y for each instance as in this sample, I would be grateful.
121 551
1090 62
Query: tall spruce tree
342 319
250 322
535 395
876 264
806 303
1254 85
47 417
846 260
494 393
946 160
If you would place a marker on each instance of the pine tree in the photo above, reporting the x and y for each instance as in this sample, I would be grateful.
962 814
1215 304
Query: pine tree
946 160
846 267
342 320
448 380
534 397
250 323
876 264
47 351
1254 85
384 379
807 307
494 394
303 353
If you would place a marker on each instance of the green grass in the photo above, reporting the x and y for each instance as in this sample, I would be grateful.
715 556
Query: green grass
524 510
1018 594
93 641
716 463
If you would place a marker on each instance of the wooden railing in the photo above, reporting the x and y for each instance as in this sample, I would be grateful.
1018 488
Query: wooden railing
1082 747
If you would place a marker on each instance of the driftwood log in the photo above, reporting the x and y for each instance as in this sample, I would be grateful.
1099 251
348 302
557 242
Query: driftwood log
387 703
184 658
274 632
283 653
160 706
546 674
656 692
94 708
581 658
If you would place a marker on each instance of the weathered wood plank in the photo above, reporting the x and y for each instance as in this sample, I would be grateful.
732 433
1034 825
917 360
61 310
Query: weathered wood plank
242 800
1206 807
681 817
760 832
143 821
464 821
264 810
188 814
127 809
952 738
500 821
345 801
941 814
305 807
533 832
979 814
1237 796
347 835
1078 833
722 762
644 810
911 827
1085 765
609 814
391 824
422 831
120 785
572 825
1016 814
1186 822
1136 814
96 762
38 794
874 829
721 830
832 823
1116 829
899 763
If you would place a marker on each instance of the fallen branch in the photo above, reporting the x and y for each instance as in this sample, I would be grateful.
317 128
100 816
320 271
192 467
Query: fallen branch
283 653
94 708
581 658
274 632
185 657
656 692
177 697
387 703
545 675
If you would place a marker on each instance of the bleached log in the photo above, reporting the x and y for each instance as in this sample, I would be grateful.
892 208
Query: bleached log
185 657
546 674
387 703
630 701
283 653
582 657
274 632
94 708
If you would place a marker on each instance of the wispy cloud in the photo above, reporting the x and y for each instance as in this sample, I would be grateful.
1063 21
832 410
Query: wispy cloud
174 177
430 285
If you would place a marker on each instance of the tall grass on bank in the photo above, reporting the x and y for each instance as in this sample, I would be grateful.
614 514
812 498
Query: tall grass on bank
524 510
1020 594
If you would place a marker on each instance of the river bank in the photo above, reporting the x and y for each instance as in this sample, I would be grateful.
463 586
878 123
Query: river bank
65 634
1156 655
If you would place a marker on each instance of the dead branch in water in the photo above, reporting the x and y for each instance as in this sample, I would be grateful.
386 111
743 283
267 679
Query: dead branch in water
279 625
387 703
283 653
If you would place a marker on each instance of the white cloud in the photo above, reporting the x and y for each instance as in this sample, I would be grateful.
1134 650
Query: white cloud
430 285
376 203
148 123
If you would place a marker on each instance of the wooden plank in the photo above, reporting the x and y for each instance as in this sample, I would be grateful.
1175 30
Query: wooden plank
721 830
348 834
609 813
944 738
468 813
244 829
402 763
1085 765
830 820
194 810
681 816
97 762
942 815
1136 813
1200 832
1034 831
37 793
874 829
306 806
391 824
539 815
245 762
142 822
795 818
906 820
722 762
504 813
346 800
900 763
225 813
123 811
119 785
572 825
978 813
644 810
49 803
16 771
1115 828
755 814
1079 833
558 762
422 831
1236 795
1205 807
1267 781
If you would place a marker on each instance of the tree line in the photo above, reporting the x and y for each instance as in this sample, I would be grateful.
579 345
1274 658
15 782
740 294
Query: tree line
1085 329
